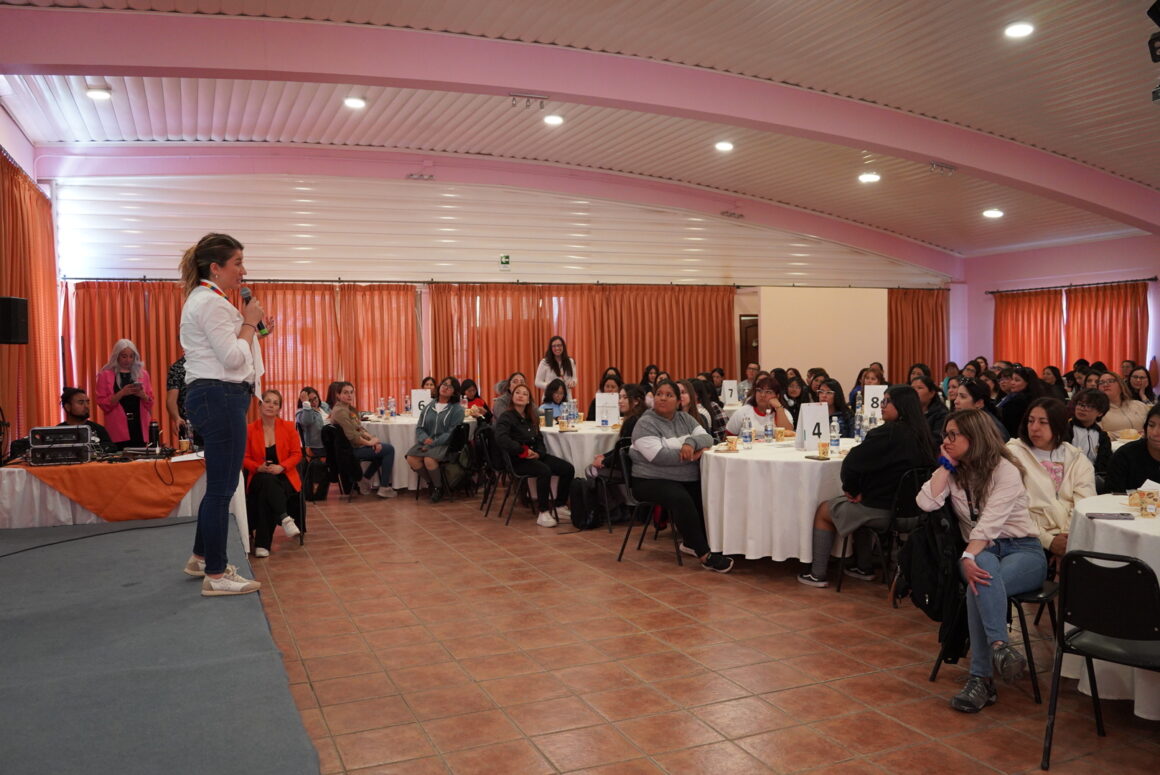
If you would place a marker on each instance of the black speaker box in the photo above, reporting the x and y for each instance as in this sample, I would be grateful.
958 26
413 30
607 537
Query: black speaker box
13 320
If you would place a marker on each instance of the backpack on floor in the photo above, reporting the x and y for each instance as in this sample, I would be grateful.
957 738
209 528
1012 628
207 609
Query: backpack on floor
581 501
928 566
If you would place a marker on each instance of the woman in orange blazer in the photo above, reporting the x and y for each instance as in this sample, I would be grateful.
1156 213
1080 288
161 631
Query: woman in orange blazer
273 452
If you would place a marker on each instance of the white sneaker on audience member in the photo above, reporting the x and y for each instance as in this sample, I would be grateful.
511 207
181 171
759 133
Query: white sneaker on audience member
289 527
364 486
387 492
546 519
563 512
230 583
260 552
195 566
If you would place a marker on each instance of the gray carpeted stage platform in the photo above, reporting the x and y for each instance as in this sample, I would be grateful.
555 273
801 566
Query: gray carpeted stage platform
112 662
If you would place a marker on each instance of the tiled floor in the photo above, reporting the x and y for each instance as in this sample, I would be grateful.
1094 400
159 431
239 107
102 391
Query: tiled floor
424 638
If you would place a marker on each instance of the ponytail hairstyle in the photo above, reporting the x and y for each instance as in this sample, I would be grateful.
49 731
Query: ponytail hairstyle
984 453
209 250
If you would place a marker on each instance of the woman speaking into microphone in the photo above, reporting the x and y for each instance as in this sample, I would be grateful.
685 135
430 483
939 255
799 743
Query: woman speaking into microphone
222 367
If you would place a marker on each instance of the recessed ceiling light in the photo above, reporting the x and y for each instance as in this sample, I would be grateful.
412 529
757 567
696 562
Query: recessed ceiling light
694 250
444 263
994 212
553 120
694 228
695 239
691 260
304 236
570 266
724 146
134 259
303 188
797 263
132 231
304 200
131 220
449 195
796 274
1019 30
355 103
305 225
689 271
302 247
447 217
99 93
800 255
307 261
447 228
581 247
869 177
579 213
304 212
798 245
579 201
450 207
449 240
130 207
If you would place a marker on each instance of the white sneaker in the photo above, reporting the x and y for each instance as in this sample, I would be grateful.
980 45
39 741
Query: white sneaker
387 492
364 486
195 566
546 519
289 527
686 550
229 584
260 552
563 512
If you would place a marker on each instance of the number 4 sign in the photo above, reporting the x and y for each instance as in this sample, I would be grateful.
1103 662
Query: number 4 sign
813 425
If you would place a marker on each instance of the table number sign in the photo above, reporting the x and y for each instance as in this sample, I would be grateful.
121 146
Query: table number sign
729 392
419 399
872 403
813 425
607 409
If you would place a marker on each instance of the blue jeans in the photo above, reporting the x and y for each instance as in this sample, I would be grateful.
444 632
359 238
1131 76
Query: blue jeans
1016 565
384 459
218 411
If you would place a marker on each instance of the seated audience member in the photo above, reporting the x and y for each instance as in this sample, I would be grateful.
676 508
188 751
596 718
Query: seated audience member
609 383
782 377
311 415
1091 380
428 383
814 378
853 397
975 394
556 364
981 363
1140 386
662 376
517 433
745 386
1057 474
934 411
984 481
631 408
952 388
340 396
1023 387
666 449
433 432
1124 412
717 417
796 394
476 406
505 388
872 376
830 394
1088 436
970 371
950 369
273 453
711 393
1099 367
763 406
75 403
991 380
1137 461
125 395
692 406
870 476
793 373
648 379
718 375
1126 367
555 396
1053 383
1081 363
918 370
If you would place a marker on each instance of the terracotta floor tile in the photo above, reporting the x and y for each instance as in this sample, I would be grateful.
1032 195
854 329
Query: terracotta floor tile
829 665
416 679
354 687
322 668
784 645
1003 748
743 717
329 646
315 724
430 765
935 717
303 696
691 636
663 665
586 747
723 757
414 655
382 746
537 718
605 627
321 628
667 732
868 732
722 656
500 666
471 730
449 701
695 690
630 645
558 657
630 767
367 714
479 646
328 758
385 620
596 678
518 756
927 758
618 704
396 636
767 676
795 748
542 637
813 703
880 689
525 688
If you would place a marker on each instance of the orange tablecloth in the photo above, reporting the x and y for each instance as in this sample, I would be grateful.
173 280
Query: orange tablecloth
142 489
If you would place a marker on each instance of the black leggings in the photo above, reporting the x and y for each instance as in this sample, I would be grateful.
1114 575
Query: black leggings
269 499
682 500
544 468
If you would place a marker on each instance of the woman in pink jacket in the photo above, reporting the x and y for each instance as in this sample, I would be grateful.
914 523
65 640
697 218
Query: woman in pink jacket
125 395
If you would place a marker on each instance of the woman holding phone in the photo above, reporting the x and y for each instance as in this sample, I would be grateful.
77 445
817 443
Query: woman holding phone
125 395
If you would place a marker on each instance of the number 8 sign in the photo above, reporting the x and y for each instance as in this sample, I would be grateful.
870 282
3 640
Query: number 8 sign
873 402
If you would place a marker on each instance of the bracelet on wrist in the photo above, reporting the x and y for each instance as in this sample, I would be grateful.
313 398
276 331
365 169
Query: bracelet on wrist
251 325
967 556
946 463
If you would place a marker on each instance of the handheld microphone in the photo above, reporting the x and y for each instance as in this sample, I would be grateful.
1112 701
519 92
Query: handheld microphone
247 297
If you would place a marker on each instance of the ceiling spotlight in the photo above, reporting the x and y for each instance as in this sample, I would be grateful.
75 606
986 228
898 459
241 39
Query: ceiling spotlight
99 93
994 212
869 177
553 120
724 146
356 103
1019 30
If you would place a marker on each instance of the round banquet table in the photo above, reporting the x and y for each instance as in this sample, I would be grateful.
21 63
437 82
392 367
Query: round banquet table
580 446
731 409
760 502
1138 538
400 433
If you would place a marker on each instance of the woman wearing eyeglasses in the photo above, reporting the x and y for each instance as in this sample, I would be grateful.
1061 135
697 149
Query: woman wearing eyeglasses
1124 413
1140 385
984 481
830 394
764 405
1086 433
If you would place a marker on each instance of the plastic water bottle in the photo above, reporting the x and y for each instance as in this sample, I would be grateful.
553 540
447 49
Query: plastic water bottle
407 405
747 434
392 407
835 437
768 432
859 400
859 430
382 408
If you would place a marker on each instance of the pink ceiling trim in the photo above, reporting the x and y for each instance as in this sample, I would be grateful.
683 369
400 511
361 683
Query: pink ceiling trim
112 160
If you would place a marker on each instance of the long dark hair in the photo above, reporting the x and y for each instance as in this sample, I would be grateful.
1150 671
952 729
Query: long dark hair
932 386
456 390
984 453
644 383
693 404
309 391
910 415
333 391
562 366
550 391
840 405
468 384
635 396
1148 394
610 374
530 413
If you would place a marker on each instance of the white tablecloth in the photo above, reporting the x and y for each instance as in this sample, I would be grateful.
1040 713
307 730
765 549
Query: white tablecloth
400 433
1138 538
731 409
579 447
25 501
761 502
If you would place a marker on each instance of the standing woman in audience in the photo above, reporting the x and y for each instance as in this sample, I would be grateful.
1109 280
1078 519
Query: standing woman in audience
796 394
690 404
437 422
557 364
764 405
934 411
974 394
609 383
518 434
273 453
1023 387
222 365
1140 386
666 451
1124 412
830 394
340 396
125 395
984 482
503 401
1052 380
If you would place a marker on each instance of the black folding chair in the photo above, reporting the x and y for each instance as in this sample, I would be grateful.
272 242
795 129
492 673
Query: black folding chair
902 510
611 476
1112 604
490 470
343 466
638 508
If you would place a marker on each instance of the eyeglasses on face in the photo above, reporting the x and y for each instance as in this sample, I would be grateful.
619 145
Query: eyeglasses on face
885 401
825 392
766 392
1086 407
1106 382
951 436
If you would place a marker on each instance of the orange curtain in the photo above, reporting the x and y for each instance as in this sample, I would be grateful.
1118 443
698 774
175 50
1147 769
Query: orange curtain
1029 327
377 341
29 374
1108 323
917 330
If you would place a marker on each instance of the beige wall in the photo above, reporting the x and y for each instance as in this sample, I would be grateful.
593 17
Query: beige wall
840 329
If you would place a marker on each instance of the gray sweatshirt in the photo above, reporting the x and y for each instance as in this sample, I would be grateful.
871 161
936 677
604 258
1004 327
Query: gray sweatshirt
657 442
